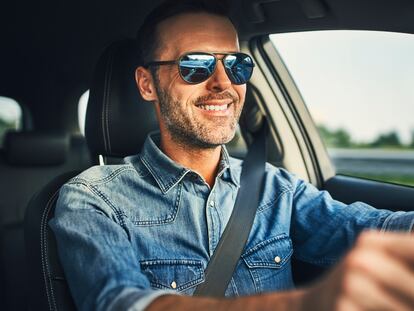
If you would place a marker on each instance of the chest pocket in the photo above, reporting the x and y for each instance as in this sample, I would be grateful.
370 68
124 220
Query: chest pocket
269 264
176 274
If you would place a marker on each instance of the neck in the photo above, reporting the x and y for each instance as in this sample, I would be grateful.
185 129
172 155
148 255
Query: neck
204 161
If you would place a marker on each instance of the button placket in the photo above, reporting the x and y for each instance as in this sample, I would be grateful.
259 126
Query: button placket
214 228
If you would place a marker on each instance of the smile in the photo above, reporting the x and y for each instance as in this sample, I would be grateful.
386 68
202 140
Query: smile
214 107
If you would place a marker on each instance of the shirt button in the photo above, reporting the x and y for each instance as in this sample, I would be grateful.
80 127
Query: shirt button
212 203
173 285
278 259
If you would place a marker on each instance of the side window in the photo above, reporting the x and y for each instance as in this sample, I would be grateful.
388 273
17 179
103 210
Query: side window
82 105
10 116
358 87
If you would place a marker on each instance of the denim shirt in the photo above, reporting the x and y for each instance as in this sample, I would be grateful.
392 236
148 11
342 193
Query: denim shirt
129 233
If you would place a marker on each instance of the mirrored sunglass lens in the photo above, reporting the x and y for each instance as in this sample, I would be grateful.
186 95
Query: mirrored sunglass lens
196 68
239 67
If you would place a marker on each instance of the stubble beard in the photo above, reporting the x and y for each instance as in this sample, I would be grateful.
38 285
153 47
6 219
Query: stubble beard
194 132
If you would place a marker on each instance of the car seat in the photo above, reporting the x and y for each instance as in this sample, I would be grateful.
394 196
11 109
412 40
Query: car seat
28 161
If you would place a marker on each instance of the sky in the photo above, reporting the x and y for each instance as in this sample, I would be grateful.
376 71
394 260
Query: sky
362 81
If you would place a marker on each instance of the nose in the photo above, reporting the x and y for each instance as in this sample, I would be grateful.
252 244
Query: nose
219 81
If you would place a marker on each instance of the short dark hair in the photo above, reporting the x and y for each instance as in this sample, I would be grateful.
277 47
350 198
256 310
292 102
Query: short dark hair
147 37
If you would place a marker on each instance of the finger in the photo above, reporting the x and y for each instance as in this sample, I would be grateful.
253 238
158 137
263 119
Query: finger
399 244
346 304
365 294
386 271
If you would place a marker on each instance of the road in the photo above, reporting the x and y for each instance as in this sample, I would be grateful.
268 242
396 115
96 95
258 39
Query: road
371 161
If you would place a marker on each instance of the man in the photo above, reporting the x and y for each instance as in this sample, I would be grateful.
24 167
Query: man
153 223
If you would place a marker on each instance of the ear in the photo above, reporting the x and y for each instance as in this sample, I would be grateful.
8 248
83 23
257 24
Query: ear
145 84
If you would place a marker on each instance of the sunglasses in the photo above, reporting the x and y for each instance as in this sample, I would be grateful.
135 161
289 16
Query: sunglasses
197 67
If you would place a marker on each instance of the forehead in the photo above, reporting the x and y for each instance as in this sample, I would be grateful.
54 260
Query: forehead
196 32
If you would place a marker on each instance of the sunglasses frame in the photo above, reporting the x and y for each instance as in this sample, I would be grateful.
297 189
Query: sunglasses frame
214 54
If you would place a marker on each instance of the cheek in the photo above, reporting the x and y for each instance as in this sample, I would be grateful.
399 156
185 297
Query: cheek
169 79
188 93
241 92
174 81
176 87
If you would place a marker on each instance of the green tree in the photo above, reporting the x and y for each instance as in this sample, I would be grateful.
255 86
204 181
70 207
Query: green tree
390 139
411 145
343 139
339 138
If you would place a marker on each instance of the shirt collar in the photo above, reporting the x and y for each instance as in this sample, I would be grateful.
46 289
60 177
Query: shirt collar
168 173
225 169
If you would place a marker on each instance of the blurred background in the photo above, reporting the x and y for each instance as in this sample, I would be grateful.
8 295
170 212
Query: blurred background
359 89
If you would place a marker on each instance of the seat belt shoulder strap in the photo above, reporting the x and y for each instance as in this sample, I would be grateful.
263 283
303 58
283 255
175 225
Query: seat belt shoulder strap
222 264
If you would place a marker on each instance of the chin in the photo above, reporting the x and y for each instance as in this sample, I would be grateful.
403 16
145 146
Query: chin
219 140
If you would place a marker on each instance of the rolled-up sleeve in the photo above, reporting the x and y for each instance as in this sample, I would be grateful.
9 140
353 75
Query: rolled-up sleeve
101 267
399 221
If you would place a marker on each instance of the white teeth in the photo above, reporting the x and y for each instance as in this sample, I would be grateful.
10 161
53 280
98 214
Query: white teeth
214 107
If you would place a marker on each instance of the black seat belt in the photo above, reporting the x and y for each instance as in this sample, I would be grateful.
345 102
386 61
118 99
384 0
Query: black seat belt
222 264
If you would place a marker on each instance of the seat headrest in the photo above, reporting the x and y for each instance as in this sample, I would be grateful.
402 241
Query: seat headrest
117 118
36 149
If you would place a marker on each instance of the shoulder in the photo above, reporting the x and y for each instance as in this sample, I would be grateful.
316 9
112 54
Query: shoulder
280 179
100 186
105 174
85 186
101 174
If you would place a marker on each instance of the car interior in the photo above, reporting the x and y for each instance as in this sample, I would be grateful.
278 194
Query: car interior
53 52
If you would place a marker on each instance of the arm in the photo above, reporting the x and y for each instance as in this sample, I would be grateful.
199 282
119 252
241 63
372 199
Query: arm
324 229
285 301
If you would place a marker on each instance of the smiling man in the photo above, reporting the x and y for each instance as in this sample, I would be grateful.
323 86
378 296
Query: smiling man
197 111
139 235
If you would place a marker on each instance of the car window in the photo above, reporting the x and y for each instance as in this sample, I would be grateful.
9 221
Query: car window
82 105
358 87
10 116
